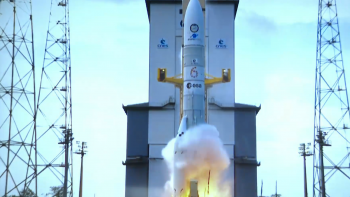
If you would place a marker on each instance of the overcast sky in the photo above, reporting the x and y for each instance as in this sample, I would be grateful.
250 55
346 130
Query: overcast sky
275 67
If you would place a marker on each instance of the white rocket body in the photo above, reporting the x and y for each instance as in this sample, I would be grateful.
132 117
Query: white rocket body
194 65
179 183
193 87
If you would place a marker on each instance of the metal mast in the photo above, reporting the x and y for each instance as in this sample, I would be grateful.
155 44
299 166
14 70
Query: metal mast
82 151
55 101
331 131
304 152
17 100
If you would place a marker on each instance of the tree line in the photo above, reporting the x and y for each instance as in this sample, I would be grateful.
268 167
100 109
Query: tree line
55 191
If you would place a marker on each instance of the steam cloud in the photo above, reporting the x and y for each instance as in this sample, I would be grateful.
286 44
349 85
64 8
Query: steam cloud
204 152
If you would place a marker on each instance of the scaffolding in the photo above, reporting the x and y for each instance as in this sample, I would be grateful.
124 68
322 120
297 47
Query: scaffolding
18 156
54 107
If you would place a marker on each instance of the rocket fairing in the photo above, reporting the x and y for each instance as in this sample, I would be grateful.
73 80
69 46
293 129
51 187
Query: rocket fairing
193 86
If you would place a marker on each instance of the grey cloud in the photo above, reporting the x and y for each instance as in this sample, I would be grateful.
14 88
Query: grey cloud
255 21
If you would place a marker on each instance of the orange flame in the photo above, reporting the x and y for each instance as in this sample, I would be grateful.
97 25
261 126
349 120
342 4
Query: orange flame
214 189
205 153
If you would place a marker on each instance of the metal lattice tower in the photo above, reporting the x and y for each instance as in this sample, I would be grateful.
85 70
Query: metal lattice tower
331 175
17 99
54 118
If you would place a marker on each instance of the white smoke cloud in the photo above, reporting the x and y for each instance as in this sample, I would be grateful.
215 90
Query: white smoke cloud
204 152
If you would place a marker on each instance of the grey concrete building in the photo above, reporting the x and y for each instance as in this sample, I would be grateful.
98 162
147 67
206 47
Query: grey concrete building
151 125
138 150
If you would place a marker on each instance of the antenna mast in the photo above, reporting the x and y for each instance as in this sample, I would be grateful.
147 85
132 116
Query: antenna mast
18 155
55 100
331 131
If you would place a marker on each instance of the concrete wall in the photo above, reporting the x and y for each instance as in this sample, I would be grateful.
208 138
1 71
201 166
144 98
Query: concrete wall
245 180
223 120
221 27
245 154
163 26
137 133
136 180
161 126
245 127
148 178
158 175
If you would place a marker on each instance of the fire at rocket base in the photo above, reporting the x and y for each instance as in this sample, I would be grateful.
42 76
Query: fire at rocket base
194 188
198 153
193 87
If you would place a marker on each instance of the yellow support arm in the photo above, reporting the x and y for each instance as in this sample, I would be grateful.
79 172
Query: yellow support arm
210 80
162 77
226 77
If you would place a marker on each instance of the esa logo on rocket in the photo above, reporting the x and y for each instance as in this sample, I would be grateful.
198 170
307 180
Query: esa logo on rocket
195 85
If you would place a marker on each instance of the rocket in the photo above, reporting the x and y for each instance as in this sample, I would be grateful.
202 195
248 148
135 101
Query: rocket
194 65
193 87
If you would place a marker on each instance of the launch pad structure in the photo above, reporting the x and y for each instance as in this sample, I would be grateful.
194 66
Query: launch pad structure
36 118
151 125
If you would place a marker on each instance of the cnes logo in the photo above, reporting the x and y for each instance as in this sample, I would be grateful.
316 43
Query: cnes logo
162 44
221 44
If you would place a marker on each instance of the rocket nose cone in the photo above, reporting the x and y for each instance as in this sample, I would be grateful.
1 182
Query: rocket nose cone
194 5
194 24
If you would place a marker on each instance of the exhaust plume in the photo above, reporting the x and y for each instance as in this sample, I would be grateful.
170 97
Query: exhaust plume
205 160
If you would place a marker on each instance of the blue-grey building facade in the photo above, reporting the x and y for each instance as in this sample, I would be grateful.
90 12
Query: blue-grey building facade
137 161
153 124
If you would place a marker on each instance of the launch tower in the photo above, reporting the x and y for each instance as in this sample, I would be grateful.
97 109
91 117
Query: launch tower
18 139
331 118
54 118
153 124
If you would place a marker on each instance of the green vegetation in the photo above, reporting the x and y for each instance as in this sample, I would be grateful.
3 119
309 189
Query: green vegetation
25 193
55 191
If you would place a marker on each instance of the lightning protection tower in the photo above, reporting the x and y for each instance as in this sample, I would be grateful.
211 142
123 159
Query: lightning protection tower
331 175
55 103
17 100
